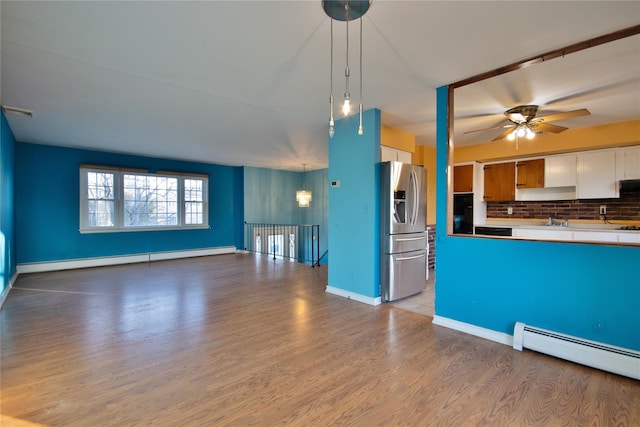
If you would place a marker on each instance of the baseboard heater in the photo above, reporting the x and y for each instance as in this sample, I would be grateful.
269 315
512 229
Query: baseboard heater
598 355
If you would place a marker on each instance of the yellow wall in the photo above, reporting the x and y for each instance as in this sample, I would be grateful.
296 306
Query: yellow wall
426 156
397 139
421 155
612 135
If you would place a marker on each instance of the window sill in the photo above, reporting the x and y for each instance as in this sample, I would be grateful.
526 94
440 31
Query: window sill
138 229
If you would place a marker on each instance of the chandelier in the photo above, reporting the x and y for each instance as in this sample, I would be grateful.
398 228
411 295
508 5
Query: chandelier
303 197
345 10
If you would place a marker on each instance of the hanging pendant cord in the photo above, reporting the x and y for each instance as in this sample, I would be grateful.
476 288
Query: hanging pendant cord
360 129
347 72
331 85
361 59
331 66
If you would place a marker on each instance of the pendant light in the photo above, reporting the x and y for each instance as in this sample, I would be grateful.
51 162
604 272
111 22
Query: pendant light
346 106
345 10
303 197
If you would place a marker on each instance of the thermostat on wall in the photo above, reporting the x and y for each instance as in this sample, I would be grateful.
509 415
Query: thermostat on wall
335 183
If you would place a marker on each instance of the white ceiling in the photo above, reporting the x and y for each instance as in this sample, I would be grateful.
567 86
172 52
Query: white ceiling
247 82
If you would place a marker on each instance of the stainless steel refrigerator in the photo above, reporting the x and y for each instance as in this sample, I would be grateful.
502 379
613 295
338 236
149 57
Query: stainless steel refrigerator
403 255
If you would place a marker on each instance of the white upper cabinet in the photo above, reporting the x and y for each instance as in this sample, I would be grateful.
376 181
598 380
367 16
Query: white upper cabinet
596 177
560 171
388 154
629 163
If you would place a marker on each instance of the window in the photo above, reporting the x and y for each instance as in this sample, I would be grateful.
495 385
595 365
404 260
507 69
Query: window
125 200
150 201
193 201
100 199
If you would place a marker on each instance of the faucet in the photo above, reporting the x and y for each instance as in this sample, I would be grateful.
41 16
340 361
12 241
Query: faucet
552 222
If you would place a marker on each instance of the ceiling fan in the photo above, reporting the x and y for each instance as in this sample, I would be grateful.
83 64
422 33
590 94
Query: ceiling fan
525 123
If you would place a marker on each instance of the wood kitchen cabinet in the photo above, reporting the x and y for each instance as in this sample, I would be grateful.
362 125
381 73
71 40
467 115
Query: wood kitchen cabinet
463 179
500 182
530 174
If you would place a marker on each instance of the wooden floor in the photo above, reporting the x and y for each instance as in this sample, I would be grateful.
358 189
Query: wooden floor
248 341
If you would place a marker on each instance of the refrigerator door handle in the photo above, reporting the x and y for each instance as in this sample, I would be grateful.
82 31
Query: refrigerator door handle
410 239
415 197
410 257
412 180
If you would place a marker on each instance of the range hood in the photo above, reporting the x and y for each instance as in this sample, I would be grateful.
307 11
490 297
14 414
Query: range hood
629 185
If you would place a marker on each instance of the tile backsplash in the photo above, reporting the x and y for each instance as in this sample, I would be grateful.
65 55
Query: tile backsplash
627 208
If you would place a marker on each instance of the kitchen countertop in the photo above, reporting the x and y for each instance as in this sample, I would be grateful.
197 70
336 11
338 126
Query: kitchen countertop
572 227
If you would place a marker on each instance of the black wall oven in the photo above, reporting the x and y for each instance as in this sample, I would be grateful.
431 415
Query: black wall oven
463 213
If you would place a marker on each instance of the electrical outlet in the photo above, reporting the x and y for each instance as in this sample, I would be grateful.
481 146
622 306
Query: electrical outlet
603 209
510 210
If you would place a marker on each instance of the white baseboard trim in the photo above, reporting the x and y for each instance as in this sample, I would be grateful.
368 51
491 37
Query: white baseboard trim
39 267
468 328
160 256
5 291
354 296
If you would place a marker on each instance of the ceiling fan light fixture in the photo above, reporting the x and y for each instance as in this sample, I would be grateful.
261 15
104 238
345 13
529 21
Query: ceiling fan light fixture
530 133
525 123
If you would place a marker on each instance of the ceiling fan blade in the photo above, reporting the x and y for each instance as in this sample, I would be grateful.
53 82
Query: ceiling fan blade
562 116
545 127
502 135
491 128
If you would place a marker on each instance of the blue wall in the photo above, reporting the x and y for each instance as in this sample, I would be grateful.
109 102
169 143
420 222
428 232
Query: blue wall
270 197
7 212
354 231
318 182
566 287
47 203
